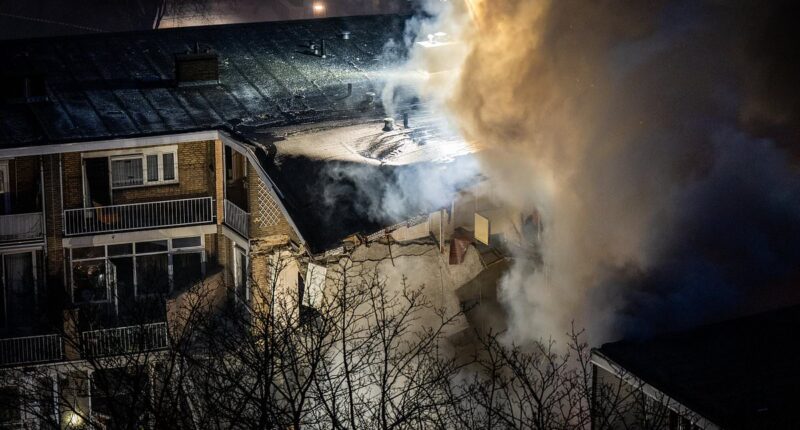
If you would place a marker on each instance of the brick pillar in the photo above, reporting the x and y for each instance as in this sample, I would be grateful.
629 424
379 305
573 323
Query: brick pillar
219 179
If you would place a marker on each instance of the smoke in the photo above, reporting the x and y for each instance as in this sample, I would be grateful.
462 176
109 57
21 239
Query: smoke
630 126
389 194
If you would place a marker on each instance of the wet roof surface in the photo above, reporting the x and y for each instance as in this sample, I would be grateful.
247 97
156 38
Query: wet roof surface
740 374
120 85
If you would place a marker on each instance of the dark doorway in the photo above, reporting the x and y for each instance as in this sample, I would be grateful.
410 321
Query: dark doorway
97 181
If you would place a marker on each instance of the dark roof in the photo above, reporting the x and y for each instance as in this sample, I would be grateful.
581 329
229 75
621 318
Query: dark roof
741 373
106 86
47 18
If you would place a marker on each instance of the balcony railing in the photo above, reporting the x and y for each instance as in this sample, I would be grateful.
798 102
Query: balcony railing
21 227
124 340
237 219
31 349
138 216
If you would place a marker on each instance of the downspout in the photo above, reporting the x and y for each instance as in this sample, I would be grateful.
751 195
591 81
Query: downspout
44 204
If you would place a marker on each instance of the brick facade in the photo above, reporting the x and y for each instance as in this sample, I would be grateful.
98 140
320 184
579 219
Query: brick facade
266 218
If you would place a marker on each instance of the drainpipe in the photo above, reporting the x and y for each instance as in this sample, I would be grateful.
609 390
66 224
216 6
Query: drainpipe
44 206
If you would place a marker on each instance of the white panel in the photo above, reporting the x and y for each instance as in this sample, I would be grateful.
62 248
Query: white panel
315 284
481 229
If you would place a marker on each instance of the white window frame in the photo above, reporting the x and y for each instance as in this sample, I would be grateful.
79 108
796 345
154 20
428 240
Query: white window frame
170 251
159 152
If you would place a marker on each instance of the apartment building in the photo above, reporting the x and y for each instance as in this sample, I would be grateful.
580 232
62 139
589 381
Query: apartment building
125 179
135 166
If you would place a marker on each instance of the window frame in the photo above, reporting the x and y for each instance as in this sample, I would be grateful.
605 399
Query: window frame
144 156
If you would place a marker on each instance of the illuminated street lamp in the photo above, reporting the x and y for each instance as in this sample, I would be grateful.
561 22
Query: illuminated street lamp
318 8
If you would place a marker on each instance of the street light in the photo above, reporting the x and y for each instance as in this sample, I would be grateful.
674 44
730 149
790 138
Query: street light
318 8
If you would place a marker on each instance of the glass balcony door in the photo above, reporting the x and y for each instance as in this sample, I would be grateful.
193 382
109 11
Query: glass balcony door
19 289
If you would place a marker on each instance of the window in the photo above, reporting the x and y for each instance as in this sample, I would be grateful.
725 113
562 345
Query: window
128 270
188 269
169 166
152 167
126 172
152 274
89 281
187 242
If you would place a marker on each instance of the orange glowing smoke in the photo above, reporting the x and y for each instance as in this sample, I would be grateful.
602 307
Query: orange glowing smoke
474 7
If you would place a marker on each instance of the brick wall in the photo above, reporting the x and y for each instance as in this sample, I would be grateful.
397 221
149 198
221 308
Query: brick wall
24 184
195 178
73 180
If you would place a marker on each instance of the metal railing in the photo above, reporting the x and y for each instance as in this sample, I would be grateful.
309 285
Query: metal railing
237 219
124 340
21 227
138 216
31 349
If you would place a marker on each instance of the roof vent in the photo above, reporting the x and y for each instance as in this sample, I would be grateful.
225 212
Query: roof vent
197 67
25 89
345 35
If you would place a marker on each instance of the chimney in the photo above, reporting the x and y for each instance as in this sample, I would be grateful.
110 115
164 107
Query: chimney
388 124
197 67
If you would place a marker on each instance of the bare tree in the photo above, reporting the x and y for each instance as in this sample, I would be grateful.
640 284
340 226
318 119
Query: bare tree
366 354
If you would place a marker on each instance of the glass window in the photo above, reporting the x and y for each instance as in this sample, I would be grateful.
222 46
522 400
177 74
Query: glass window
155 246
152 168
89 281
123 249
152 274
126 172
169 166
186 242
188 269
88 252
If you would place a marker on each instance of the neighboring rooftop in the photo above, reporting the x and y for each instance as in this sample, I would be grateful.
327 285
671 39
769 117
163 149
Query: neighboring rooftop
106 86
737 374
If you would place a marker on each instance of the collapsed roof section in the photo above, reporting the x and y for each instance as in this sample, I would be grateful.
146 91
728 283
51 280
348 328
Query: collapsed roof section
338 179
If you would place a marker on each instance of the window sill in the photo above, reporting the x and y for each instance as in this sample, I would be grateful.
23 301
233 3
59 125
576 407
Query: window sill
150 184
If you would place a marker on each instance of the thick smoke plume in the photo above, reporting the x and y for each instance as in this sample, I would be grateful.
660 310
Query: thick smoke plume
643 132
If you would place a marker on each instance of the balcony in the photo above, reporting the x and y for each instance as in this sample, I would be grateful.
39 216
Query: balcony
237 219
19 227
124 340
31 349
138 216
